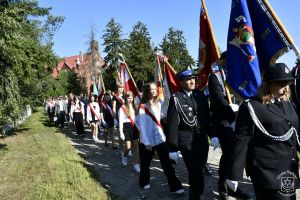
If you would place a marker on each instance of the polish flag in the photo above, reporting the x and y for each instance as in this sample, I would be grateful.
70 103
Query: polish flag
101 88
128 82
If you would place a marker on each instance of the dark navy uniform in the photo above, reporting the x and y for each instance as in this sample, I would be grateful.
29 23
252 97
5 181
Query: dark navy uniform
188 122
221 112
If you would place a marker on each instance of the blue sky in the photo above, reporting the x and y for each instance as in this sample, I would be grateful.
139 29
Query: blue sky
158 15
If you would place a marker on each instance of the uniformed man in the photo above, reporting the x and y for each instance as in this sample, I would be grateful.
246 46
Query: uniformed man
188 123
223 117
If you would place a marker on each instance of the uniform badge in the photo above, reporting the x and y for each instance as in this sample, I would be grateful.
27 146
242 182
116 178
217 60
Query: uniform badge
190 114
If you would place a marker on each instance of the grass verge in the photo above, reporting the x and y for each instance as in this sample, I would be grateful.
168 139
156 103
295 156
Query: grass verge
38 162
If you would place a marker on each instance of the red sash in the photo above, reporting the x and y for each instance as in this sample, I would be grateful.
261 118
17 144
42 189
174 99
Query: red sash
94 112
142 106
119 100
106 107
129 117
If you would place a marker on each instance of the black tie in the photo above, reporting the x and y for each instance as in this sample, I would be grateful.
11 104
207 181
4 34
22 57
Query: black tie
278 104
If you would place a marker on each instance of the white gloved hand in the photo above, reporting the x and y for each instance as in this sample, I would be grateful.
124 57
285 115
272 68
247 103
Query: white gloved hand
174 156
234 107
122 136
215 142
233 185
116 123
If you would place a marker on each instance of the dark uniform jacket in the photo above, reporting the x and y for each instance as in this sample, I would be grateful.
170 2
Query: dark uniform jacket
180 135
266 159
219 106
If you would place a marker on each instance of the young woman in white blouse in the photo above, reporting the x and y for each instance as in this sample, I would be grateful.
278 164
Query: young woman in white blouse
128 130
93 116
77 114
153 138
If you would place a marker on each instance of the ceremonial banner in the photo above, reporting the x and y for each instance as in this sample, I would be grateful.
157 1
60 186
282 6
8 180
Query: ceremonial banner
171 79
95 90
242 62
101 89
208 51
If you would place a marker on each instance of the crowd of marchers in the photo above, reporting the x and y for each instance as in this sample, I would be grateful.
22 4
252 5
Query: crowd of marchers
259 135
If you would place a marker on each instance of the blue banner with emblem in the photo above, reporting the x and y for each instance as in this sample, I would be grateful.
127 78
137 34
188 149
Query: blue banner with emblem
242 62
269 44
253 43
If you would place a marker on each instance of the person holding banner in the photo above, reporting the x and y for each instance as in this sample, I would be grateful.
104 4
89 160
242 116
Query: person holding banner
223 120
266 138
189 123
129 131
153 138
93 117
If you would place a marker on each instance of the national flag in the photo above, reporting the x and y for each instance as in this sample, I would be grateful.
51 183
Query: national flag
158 79
208 50
242 61
101 88
170 78
128 82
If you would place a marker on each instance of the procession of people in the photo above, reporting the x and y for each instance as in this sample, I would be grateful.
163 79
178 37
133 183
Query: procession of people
259 135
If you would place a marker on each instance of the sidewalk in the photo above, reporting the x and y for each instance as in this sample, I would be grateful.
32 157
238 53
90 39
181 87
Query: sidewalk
105 165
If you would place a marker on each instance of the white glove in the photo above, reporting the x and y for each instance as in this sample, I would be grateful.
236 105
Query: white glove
122 136
215 142
116 123
234 107
174 156
233 185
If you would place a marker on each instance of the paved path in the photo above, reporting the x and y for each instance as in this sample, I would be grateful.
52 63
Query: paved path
105 165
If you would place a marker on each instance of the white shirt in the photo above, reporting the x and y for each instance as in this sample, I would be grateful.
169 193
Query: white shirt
96 110
150 132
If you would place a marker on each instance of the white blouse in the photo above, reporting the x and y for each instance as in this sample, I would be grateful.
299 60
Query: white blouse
150 132
89 111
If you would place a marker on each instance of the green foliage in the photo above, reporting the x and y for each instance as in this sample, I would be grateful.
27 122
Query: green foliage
26 31
113 46
140 55
174 46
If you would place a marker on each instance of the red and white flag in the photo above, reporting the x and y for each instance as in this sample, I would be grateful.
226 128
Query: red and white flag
128 82
208 51
101 88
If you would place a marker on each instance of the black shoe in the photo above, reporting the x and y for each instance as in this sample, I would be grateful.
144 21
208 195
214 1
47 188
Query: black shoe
207 170
240 194
223 192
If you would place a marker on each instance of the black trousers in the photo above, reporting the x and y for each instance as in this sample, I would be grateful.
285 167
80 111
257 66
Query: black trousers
62 118
145 161
265 194
226 138
78 118
194 162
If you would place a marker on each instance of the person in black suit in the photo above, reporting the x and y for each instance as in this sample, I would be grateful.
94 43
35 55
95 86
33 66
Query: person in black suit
188 123
223 118
266 138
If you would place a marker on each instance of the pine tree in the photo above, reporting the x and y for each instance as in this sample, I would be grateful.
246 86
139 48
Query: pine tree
113 46
139 54
173 45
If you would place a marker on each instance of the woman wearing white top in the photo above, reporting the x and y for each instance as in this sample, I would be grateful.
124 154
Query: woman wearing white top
93 116
152 138
77 114
128 130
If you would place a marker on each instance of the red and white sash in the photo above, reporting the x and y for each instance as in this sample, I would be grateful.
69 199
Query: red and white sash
147 111
94 112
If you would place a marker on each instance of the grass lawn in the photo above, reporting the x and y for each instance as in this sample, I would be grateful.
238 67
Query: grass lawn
38 162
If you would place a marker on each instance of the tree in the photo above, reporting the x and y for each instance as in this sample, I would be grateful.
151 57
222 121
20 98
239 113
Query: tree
113 46
139 54
26 32
173 45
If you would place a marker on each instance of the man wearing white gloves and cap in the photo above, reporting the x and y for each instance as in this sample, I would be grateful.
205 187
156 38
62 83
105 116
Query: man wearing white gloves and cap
188 123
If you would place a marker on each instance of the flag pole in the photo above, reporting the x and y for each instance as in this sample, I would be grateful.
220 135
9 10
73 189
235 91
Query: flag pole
126 66
282 28
217 50
103 86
